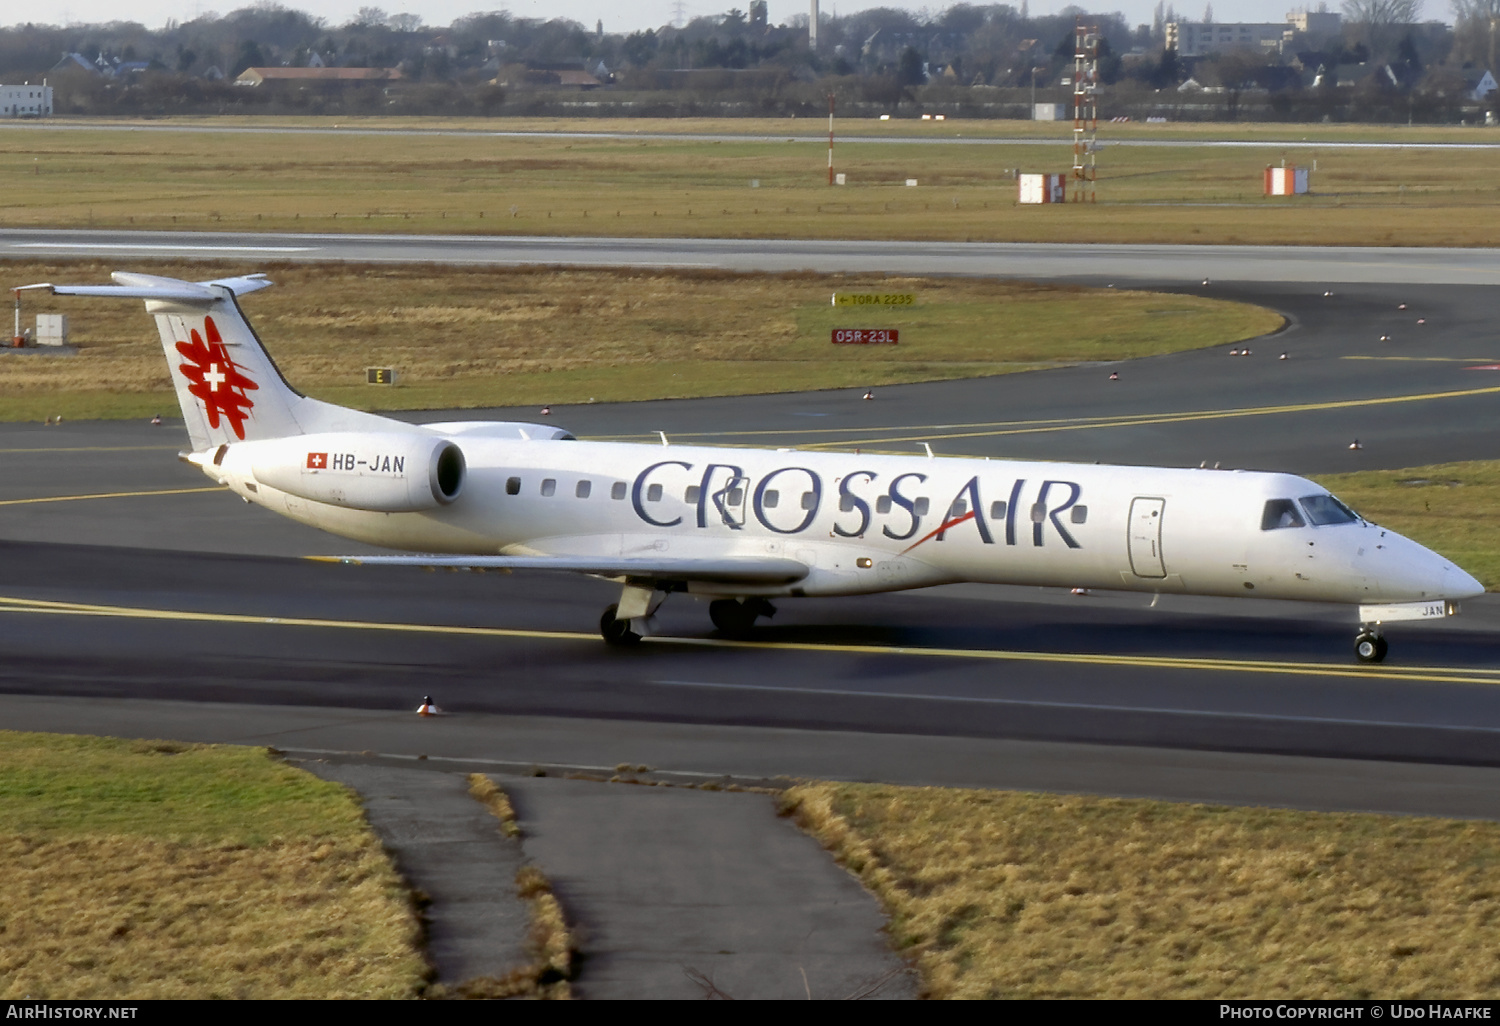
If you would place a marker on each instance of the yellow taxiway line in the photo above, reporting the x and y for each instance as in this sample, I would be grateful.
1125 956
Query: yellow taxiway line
1422 674
1085 424
997 428
110 495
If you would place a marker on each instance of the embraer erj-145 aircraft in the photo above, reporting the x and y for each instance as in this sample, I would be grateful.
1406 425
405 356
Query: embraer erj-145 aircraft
743 526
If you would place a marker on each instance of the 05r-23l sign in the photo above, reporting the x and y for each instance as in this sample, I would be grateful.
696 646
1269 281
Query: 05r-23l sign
865 336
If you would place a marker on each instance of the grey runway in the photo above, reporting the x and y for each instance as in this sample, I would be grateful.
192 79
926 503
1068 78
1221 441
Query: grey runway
951 135
1139 263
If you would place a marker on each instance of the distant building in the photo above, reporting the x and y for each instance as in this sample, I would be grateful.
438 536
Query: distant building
1485 86
1196 39
1314 23
26 101
75 62
272 76
758 19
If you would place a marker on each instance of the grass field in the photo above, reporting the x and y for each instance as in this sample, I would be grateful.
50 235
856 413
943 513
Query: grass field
478 182
467 337
145 869
1452 508
999 894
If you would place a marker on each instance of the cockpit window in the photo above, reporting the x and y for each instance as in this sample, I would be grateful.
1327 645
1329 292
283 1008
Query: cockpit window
1325 509
1280 513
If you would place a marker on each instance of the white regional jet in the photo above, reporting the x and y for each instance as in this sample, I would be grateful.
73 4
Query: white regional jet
743 526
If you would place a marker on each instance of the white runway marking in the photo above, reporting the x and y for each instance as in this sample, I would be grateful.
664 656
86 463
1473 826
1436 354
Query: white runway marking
166 248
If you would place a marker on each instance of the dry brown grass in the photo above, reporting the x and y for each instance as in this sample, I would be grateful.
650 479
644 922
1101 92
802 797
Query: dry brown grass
497 801
474 182
160 870
999 894
471 337
548 940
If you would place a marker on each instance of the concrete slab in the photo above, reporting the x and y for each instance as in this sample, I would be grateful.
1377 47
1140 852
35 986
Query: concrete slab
448 845
683 893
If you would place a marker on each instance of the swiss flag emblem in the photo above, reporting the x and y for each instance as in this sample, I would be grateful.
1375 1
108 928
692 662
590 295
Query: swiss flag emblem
317 461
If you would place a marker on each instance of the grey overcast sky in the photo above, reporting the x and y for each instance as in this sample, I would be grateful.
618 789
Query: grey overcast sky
639 14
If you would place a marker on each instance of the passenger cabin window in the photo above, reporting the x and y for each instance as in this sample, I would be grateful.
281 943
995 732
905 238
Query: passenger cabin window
736 496
549 486
809 500
1080 514
997 510
583 489
1038 513
846 504
653 493
920 507
513 486
958 509
883 504
770 499
1280 513
691 495
617 490
1323 510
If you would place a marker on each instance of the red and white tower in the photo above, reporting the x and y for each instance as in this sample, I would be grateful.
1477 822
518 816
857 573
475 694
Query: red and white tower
1085 110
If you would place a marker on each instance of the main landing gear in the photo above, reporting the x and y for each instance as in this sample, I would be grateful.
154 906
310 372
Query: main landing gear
616 632
731 616
737 618
1370 646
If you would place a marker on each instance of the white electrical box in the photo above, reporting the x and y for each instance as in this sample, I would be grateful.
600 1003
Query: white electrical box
51 329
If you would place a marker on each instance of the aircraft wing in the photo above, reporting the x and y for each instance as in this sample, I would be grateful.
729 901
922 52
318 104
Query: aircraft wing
718 570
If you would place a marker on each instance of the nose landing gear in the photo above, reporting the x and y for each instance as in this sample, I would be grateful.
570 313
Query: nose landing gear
1369 646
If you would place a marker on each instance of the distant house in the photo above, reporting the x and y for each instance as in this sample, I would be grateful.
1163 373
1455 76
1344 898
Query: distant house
25 101
1484 86
578 80
75 62
275 76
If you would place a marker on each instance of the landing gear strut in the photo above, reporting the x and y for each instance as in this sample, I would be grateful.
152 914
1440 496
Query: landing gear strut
1369 647
737 618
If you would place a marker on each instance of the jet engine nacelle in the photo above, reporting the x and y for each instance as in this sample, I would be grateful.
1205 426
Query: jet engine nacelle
384 473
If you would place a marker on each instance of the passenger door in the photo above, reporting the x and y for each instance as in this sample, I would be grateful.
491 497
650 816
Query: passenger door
1145 537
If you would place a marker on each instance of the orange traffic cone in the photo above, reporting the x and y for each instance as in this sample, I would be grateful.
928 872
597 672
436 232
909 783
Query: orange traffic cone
427 708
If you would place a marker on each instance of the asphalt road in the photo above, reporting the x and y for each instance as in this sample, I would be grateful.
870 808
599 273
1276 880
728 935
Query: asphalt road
1135 264
183 597
949 134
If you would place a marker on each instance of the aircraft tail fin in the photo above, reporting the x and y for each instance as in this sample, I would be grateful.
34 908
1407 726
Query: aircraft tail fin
227 385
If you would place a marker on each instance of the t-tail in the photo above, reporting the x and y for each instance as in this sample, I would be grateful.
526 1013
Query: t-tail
227 385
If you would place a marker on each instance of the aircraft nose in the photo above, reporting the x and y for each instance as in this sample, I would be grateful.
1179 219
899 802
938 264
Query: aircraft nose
1414 572
1457 584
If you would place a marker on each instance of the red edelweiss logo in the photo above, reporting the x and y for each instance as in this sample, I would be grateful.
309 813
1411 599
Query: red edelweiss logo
215 378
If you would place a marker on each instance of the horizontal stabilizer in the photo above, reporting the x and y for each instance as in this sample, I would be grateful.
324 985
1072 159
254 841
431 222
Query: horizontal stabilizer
150 286
723 570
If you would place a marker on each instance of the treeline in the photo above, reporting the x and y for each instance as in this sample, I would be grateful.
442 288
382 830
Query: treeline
973 60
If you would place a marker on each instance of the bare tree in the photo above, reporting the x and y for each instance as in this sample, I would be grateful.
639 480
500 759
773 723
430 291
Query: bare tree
1379 18
1476 23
